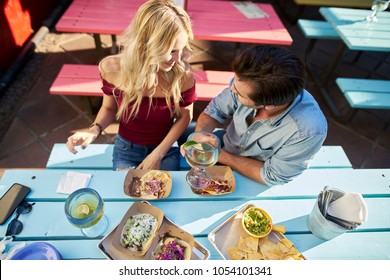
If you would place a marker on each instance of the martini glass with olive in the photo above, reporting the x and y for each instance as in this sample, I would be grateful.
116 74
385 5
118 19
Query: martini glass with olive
84 209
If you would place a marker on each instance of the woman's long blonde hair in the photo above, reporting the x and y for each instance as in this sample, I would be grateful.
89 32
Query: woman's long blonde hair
145 43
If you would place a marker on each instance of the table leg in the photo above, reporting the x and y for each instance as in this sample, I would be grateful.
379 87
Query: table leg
114 47
322 85
237 48
95 102
332 65
98 45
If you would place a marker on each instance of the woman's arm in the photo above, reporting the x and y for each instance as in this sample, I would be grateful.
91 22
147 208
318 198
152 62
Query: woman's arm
105 117
153 160
107 111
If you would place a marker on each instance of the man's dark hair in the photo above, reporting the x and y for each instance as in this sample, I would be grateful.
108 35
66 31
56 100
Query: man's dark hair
276 75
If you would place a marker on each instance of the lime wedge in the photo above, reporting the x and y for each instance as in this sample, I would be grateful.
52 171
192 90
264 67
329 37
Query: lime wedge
82 210
187 145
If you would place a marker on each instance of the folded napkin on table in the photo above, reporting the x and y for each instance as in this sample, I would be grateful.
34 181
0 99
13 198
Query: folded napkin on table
350 207
72 181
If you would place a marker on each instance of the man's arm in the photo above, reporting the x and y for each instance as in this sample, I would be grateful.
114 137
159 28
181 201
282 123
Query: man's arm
207 123
246 166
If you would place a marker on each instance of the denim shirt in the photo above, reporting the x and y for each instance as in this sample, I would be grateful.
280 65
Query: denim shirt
286 143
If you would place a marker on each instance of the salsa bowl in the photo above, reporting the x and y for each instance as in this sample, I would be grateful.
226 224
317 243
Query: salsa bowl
256 222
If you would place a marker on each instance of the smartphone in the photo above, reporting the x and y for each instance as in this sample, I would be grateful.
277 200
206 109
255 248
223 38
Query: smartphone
11 199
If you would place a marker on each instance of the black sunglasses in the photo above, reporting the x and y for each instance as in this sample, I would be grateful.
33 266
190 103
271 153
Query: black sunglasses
15 226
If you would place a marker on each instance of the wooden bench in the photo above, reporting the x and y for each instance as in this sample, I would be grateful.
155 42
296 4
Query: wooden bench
317 29
365 93
99 156
84 80
314 30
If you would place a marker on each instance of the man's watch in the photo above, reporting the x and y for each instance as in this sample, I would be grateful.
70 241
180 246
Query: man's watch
99 126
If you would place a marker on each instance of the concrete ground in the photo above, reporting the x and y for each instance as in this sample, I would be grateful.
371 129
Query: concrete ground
39 119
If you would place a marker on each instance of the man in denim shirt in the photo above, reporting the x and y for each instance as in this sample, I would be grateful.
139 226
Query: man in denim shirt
274 126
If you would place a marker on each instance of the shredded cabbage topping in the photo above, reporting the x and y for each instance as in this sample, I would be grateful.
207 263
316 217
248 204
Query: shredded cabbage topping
171 251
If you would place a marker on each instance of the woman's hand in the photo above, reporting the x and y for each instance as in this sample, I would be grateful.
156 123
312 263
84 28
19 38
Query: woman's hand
152 161
82 139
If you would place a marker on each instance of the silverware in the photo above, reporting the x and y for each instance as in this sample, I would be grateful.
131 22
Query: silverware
343 223
324 200
328 199
321 200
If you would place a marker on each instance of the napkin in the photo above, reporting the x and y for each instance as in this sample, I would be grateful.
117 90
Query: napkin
350 207
71 181
250 10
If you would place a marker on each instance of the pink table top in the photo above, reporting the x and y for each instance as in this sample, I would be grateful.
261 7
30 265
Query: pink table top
212 20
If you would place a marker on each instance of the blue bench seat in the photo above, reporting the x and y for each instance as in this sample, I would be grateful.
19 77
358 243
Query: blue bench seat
314 30
317 29
365 93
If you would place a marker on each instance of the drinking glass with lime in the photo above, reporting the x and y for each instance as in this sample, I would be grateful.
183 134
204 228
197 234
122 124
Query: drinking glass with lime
202 150
84 209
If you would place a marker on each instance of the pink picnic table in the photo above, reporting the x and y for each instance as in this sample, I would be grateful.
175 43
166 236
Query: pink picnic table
212 20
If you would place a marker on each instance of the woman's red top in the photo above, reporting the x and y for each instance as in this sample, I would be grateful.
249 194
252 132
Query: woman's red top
149 127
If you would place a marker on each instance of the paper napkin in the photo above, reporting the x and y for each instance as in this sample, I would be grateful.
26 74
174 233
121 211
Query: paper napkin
250 10
71 181
350 207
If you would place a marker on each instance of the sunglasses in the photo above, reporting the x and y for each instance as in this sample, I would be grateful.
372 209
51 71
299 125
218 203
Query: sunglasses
15 226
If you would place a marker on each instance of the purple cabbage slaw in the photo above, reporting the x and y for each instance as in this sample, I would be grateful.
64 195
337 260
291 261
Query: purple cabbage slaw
171 251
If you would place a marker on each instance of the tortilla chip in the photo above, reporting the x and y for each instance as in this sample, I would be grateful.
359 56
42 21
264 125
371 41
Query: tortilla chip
251 248
156 174
287 242
255 256
236 254
270 250
283 248
249 244
279 228
294 252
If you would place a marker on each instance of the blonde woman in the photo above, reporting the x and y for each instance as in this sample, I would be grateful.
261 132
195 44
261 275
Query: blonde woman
149 87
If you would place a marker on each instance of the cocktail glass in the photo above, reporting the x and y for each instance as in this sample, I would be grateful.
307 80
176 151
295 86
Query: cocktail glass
84 209
203 153
377 6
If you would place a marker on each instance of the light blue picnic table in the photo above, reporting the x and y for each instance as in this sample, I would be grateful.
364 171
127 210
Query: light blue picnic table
357 34
288 205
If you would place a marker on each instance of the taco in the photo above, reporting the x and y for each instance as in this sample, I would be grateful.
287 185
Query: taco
138 232
217 186
153 184
172 248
